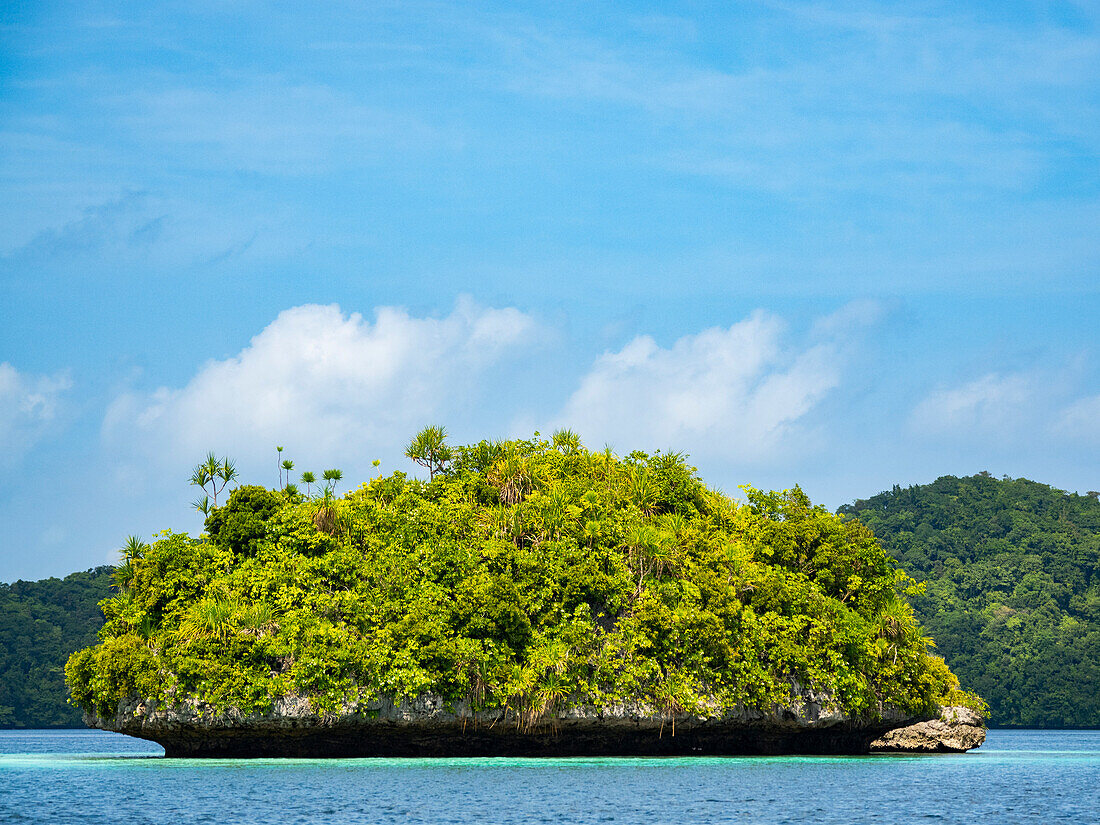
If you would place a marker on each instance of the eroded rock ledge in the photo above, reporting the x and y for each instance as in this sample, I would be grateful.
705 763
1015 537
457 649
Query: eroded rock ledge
957 729
428 726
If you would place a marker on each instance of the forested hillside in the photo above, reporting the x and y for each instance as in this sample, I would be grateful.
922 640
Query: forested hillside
41 623
1013 589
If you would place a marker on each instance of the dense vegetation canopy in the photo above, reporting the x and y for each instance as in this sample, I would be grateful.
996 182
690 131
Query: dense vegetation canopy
526 575
41 623
1013 589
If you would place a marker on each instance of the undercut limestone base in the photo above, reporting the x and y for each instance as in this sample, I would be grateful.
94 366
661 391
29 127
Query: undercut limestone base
428 727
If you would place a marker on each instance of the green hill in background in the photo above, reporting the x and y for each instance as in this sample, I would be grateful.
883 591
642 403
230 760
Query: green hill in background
41 623
1013 589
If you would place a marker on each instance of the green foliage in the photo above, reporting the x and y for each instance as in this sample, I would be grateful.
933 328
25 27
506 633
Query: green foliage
309 479
1012 594
526 575
429 449
211 475
242 523
41 623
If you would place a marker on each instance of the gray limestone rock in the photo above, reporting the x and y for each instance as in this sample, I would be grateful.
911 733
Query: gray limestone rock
957 730
430 726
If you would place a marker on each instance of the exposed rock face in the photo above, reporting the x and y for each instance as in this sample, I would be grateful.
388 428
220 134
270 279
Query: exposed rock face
957 729
428 726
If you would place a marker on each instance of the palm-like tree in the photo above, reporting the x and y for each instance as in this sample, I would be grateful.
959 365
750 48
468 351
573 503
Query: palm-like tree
513 477
429 449
331 476
287 465
308 479
641 489
895 624
258 617
213 474
551 692
212 617
131 552
566 440
134 548
326 519
279 464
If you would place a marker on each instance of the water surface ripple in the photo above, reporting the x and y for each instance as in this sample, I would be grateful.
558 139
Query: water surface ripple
95 777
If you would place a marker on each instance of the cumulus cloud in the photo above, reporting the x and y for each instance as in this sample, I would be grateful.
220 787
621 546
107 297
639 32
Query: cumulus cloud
319 377
28 405
740 392
993 402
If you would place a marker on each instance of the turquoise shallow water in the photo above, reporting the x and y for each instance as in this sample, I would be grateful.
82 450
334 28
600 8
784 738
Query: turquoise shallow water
95 777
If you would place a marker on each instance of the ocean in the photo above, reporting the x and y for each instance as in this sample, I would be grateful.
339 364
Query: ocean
95 777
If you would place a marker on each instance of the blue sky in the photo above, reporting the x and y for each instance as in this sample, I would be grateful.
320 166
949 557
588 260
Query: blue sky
842 245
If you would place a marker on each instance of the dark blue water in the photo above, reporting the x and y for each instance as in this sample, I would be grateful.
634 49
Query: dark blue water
94 777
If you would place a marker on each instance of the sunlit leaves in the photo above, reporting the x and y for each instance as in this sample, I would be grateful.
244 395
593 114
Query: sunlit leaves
526 576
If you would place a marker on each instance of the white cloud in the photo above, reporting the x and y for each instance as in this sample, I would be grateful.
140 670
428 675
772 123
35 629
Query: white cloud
735 393
1081 420
316 376
28 405
992 403
1045 409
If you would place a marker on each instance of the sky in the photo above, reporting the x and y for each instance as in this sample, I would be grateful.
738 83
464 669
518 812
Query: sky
842 245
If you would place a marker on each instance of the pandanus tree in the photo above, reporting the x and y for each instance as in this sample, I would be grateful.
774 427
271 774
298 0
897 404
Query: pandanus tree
513 477
566 440
331 477
309 479
211 475
133 550
326 518
429 449
210 618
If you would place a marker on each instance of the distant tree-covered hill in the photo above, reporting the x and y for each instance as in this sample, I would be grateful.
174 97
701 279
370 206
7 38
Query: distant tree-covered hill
1013 589
41 623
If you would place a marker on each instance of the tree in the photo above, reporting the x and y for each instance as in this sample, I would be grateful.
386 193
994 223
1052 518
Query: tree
133 550
242 524
331 476
429 449
1011 592
287 465
213 474
308 479
523 579
566 440
41 623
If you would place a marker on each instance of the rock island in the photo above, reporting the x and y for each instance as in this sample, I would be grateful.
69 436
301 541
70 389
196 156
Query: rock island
532 597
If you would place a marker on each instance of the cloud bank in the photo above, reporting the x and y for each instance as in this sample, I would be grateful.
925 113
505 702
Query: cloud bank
740 393
319 377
